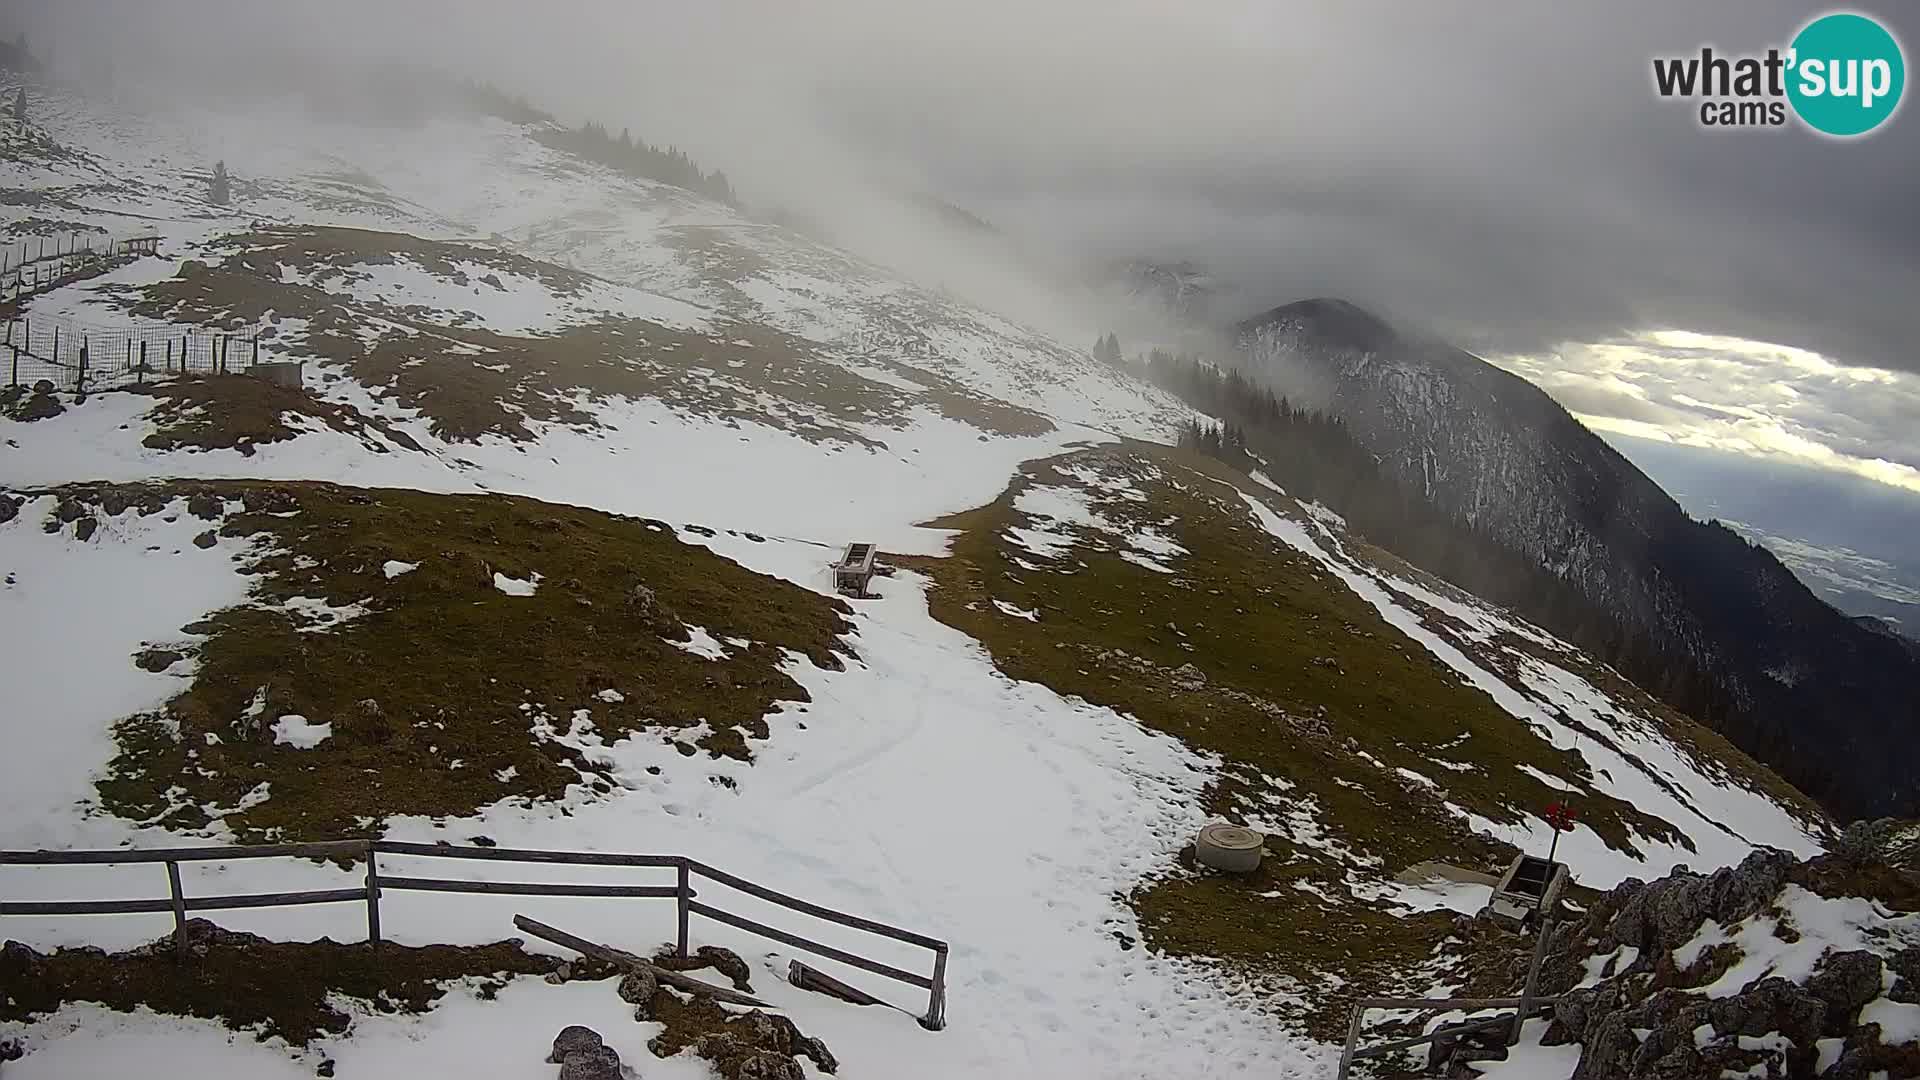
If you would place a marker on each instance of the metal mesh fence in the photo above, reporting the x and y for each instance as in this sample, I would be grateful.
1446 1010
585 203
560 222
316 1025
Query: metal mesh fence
80 358
36 264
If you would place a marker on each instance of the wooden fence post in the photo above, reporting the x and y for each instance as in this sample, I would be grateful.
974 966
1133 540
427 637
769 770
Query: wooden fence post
15 381
373 898
936 1017
1533 980
142 369
684 898
179 910
1353 1039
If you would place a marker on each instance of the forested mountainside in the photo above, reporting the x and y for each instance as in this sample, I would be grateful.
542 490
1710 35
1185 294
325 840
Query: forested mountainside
1710 622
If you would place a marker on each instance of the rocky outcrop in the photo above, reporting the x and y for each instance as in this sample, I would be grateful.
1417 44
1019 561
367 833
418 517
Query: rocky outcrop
1638 1011
583 1055
763 1046
1889 842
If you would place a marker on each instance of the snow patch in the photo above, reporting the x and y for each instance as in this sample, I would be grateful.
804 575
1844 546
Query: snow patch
515 586
700 643
300 733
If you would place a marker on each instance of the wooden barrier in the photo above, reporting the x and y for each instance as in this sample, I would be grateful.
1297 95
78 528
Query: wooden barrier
1524 1007
377 882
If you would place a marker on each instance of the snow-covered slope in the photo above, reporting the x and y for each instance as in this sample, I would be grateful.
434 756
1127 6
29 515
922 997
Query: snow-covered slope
477 315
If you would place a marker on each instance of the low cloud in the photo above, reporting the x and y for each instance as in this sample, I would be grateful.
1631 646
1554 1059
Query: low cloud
1749 397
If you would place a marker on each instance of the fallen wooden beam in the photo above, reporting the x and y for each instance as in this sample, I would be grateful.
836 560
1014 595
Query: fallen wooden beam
808 978
621 958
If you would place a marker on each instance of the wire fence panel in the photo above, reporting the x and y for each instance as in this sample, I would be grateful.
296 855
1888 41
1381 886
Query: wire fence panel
37 264
80 358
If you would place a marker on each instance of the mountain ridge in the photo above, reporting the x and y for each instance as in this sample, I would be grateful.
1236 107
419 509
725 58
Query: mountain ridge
1707 620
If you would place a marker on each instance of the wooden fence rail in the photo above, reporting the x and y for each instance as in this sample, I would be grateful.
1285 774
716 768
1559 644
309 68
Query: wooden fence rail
1525 1007
377 881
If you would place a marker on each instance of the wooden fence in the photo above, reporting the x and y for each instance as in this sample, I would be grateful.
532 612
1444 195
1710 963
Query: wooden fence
681 892
1525 1007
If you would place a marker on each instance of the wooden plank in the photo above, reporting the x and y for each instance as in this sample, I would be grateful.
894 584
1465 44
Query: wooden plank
500 854
936 1017
179 899
1441 1003
323 850
373 896
287 899
1533 977
1385 1048
631 962
683 894
525 888
813 909
1353 1039
812 978
815 947
83 907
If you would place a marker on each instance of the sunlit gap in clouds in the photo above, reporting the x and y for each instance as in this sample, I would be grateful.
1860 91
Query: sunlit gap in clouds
1756 398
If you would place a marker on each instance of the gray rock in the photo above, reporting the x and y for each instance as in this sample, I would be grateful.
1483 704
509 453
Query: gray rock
1845 981
1856 1063
1668 912
1772 1004
1579 1012
597 1064
767 1065
574 1039
1189 677
637 988
1885 841
1609 1050
728 963
1905 964
810 1046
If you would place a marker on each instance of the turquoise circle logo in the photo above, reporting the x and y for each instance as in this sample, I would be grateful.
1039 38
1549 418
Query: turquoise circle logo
1847 74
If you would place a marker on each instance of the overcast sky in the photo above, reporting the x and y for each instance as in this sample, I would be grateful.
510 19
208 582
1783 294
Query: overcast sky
1499 173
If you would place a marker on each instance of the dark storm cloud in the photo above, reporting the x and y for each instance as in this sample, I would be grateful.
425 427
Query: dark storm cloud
1501 173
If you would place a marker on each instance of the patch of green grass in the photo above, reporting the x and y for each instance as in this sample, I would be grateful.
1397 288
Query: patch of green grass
1293 919
439 689
273 988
